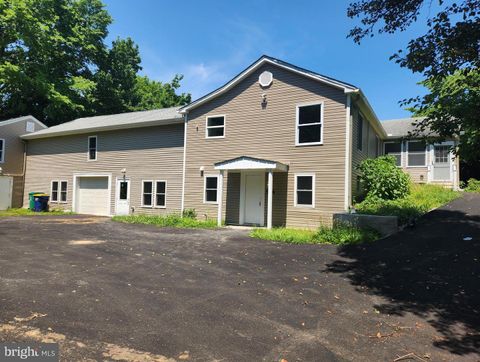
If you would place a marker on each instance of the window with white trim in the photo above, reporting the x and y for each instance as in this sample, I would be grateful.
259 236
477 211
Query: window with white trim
147 193
304 190
54 193
59 191
215 127
309 124
30 127
211 189
416 153
92 148
2 150
394 149
160 193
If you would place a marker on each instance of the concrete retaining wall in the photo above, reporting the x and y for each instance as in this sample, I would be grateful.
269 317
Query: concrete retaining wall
385 225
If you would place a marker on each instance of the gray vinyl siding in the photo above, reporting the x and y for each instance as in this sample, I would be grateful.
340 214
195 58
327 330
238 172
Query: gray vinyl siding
269 133
148 153
232 211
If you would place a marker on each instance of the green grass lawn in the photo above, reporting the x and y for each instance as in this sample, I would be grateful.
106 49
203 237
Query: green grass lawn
28 212
339 235
421 200
172 220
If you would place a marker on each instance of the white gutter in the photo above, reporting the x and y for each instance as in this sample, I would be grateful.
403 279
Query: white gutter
185 129
348 154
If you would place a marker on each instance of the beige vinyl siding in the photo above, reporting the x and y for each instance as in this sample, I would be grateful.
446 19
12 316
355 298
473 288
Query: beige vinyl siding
148 153
269 133
369 147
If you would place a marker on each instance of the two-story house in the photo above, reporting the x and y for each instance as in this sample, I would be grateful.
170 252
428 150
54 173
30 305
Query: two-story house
12 158
276 145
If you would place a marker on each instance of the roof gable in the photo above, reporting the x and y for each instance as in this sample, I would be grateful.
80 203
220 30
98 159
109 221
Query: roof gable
257 64
23 118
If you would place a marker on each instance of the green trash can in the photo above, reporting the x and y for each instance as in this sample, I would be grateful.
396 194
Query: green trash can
31 199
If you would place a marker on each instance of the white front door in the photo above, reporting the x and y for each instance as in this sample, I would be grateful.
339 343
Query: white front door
254 198
123 197
442 163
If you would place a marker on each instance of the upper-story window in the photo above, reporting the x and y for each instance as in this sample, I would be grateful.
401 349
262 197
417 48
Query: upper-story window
360 132
416 153
309 124
92 148
2 150
394 149
30 127
215 127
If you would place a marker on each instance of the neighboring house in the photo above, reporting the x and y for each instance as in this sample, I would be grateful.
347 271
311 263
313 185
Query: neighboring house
12 158
109 165
277 145
426 163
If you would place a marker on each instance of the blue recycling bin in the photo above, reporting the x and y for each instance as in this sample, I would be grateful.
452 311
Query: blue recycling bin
40 202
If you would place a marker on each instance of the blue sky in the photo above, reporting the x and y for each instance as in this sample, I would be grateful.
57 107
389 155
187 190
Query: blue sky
209 42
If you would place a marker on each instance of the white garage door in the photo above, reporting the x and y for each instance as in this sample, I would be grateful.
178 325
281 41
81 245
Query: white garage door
93 196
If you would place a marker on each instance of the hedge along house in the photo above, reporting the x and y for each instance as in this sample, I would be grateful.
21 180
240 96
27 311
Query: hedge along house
425 163
110 165
276 146
12 158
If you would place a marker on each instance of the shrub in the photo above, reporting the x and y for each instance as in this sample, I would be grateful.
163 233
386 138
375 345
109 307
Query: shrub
171 220
473 185
190 213
381 178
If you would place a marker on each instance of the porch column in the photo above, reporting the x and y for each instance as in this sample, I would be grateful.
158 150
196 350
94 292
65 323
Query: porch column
270 199
220 198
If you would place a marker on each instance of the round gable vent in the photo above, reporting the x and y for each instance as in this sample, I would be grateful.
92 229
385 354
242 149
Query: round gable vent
265 79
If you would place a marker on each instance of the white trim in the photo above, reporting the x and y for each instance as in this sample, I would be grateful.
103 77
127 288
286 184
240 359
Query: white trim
207 127
297 125
312 206
270 200
185 132
51 191
155 206
451 161
407 144
205 189
87 174
117 192
394 153
24 118
250 164
256 65
3 148
153 194
219 198
96 148
348 154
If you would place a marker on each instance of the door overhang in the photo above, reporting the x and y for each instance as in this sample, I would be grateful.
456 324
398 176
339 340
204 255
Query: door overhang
245 163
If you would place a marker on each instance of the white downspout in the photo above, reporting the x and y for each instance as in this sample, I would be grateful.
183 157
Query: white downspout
348 154
185 128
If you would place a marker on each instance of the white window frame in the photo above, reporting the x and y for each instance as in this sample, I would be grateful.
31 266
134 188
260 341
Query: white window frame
297 125
59 192
96 148
29 126
416 152
153 194
207 127
205 189
2 158
312 206
392 153
51 191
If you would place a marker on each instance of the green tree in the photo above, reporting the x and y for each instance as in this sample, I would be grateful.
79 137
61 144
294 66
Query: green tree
153 94
55 65
448 56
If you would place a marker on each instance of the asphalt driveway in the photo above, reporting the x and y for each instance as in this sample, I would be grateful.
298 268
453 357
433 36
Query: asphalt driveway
110 291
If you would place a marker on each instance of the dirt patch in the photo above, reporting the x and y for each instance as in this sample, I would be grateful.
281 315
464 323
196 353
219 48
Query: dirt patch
85 242
118 353
82 220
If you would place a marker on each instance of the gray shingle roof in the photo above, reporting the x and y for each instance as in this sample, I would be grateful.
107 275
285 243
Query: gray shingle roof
113 121
396 128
